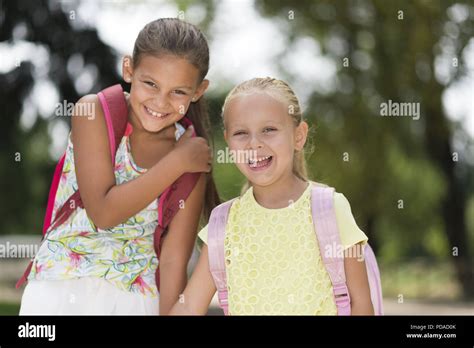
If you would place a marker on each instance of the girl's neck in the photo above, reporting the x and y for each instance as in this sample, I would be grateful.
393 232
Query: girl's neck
281 193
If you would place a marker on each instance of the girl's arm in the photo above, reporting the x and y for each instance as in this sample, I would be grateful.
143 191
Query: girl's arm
106 203
198 293
177 247
358 282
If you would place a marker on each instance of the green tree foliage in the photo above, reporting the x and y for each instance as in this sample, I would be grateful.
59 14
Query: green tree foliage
25 163
407 192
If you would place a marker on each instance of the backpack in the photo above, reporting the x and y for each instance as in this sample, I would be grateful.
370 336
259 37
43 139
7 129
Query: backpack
325 225
115 109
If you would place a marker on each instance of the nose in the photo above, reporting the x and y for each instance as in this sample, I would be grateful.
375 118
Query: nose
255 142
161 101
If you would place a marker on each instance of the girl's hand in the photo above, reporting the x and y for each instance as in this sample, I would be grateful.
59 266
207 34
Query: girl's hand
193 153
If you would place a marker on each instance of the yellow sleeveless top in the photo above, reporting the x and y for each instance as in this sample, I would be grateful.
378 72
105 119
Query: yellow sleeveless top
273 262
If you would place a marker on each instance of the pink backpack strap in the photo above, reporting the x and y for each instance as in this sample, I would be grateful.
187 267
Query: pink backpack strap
168 206
169 203
327 233
215 243
52 193
115 109
373 275
180 190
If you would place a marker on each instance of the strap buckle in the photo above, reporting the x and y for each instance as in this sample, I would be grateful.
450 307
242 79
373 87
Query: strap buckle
341 295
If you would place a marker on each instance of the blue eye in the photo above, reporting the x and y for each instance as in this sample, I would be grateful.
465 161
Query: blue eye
269 129
239 133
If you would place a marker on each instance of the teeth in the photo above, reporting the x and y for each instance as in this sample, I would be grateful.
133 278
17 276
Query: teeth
260 159
154 113
253 163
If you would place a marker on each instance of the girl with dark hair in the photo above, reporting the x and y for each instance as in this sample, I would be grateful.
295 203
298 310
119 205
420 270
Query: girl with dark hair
101 260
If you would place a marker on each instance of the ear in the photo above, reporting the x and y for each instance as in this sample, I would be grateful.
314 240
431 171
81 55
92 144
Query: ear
200 90
127 69
301 132
225 135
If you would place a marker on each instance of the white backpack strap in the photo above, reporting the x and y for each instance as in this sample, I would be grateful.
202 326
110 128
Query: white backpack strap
215 244
331 249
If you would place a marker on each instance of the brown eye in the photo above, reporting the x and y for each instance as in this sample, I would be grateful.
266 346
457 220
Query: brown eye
149 83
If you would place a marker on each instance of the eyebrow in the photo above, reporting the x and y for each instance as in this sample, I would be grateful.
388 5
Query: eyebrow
146 76
265 123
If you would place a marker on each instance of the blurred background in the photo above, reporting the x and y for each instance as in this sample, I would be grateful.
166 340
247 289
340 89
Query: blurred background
410 181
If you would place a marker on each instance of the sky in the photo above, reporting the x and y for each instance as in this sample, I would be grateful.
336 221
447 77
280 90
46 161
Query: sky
244 45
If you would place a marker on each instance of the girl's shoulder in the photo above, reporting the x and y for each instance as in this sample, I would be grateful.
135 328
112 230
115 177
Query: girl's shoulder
227 204
87 115
87 105
340 201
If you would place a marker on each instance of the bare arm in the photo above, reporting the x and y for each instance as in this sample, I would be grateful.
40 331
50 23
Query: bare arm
199 292
177 247
103 199
358 284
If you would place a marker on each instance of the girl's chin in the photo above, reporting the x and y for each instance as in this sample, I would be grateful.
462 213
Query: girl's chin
155 129
156 126
263 178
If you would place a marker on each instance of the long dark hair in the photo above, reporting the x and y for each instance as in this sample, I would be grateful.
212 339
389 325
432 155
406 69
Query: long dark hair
184 40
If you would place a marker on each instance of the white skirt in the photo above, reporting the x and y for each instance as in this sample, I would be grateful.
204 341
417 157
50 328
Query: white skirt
84 296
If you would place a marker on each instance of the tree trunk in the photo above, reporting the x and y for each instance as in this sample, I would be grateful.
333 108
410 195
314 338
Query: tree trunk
438 137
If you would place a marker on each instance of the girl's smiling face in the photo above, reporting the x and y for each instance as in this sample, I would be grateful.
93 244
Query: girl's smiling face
162 89
259 124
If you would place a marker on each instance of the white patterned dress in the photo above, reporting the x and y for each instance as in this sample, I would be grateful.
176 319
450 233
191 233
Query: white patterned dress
120 258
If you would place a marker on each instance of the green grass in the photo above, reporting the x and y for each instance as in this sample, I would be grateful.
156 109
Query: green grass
420 279
7 308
